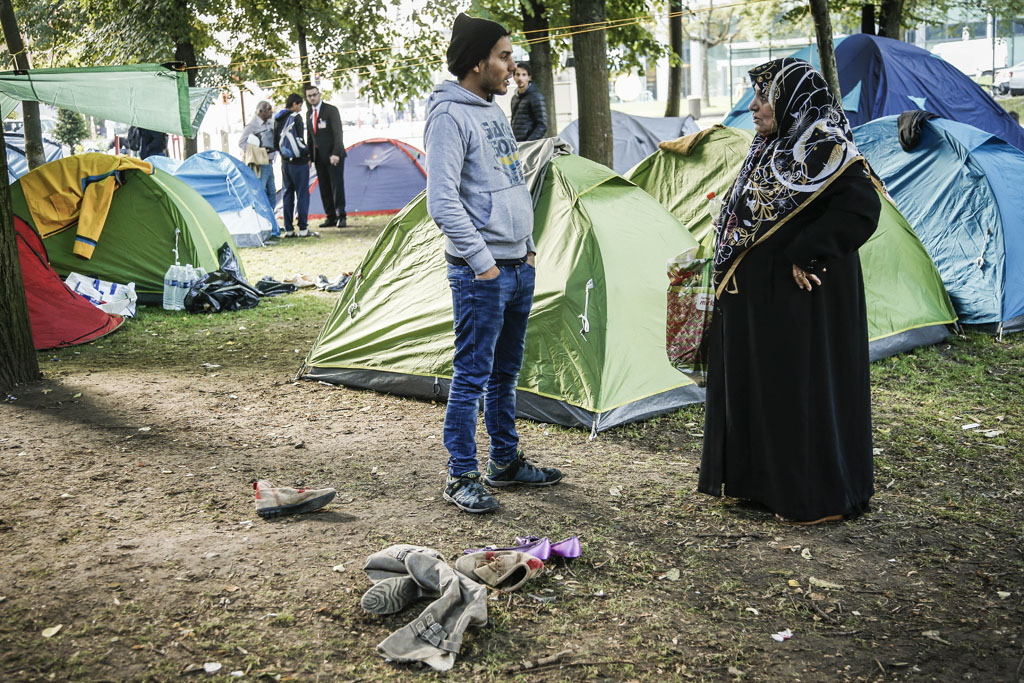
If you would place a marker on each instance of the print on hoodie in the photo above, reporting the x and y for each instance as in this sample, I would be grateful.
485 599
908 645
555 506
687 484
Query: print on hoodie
506 151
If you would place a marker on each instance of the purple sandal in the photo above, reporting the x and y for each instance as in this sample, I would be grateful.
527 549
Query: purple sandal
542 548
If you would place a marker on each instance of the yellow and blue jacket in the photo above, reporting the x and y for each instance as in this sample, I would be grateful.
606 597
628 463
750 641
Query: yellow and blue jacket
77 188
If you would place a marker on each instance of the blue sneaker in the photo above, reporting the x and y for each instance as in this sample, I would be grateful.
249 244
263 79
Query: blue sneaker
468 494
521 471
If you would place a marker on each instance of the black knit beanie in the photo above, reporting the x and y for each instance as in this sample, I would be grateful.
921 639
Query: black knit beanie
472 40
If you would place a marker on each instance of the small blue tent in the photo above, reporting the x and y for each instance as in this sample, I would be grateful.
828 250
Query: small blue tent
881 76
17 163
960 189
635 137
231 188
382 175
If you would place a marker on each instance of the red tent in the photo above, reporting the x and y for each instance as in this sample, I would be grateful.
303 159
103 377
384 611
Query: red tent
59 317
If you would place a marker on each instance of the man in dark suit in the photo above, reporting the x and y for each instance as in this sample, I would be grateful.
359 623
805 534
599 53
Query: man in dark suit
327 151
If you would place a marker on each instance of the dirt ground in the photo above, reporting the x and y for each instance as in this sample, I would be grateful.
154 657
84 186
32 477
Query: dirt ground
128 520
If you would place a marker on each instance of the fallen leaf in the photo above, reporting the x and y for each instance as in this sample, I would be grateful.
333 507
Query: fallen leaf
672 574
992 433
753 611
52 631
805 553
735 672
794 583
145 429
821 583
338 568
615 491
231 589
211 667
78 395
817 597
934 635
1003 594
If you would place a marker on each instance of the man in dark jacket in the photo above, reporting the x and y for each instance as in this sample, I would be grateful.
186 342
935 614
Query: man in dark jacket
327 152
529 118
151 142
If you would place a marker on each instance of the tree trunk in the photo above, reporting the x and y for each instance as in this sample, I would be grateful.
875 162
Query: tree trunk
826 49
29 110
675 45
18 362
185 52
890 15
535 26
590 54
307 80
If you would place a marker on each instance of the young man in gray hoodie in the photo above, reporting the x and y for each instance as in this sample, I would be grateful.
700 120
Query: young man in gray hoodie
477 195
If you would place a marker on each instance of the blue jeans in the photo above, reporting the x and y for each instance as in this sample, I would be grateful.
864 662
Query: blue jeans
295 178
267 181
490 336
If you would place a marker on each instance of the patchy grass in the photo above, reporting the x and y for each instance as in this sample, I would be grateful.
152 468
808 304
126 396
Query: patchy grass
129 521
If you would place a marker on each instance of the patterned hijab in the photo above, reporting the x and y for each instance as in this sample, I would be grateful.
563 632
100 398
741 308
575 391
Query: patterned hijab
810 147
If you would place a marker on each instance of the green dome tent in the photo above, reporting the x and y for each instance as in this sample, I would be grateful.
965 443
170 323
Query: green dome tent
149 216
595 346
907 304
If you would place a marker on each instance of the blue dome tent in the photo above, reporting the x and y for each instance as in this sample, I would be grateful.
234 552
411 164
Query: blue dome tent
635 137
382 175
960 190
231 188
17 162
881 76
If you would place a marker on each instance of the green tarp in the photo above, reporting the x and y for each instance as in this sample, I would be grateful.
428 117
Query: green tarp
145 95
907 304
595 346
150 216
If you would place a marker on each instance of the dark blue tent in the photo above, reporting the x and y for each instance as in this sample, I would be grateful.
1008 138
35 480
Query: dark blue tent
960 190
382 175
634 138
882 76
17 163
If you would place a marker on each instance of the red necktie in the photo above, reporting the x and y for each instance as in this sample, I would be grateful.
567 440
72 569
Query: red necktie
315 119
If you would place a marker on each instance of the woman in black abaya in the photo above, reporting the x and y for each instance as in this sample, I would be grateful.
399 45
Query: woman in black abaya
788 413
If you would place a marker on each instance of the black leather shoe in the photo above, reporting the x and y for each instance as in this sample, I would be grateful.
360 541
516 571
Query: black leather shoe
343 222
329 224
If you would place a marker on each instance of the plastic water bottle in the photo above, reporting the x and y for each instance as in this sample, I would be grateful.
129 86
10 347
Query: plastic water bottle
714 205
188 276
171 288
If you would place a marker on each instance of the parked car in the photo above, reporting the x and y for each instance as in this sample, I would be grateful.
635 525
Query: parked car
1010 81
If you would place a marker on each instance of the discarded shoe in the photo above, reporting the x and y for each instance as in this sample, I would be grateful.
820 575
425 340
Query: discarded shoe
273 501
468 494
391 595
300 280
505 570
521 471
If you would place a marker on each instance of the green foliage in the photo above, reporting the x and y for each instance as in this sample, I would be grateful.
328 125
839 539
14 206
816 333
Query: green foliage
71 128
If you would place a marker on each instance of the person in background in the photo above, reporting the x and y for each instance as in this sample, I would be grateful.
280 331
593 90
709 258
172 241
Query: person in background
477 195
327 151
1015 116
291 142
788 408
260 130
151 143
529 117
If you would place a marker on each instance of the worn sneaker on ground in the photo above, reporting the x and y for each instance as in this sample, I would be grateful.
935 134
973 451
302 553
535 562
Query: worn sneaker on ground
468 494
289 233
275 501
303 233
521 471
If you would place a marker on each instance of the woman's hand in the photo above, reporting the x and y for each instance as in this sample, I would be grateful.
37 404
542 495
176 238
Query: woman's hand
804 279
